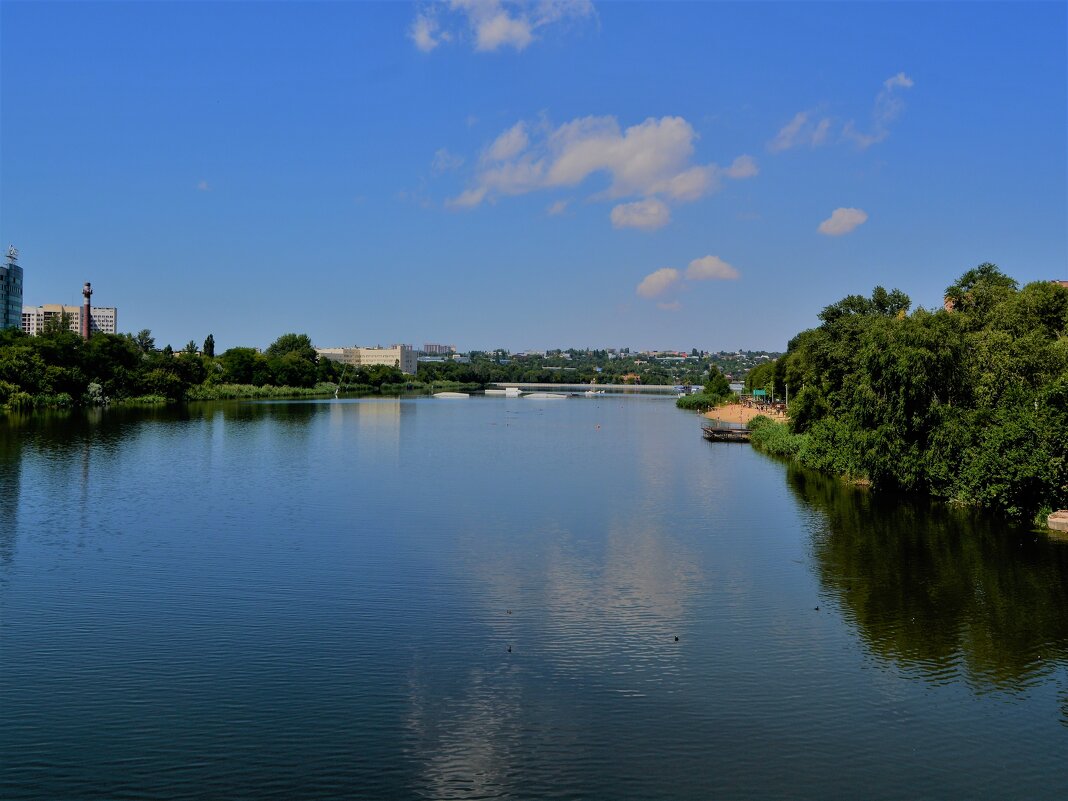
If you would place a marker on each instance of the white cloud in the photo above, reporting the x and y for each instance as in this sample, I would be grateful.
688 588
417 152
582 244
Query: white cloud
710 268
652 159
203 186
557 208
805 130
509 144
901 79
742 167
690 184
658 282
492 25
842 221
444 161
819 136
500 29
422 32
787 136
888 107
647 215
466 199
801 131
706 268
643 159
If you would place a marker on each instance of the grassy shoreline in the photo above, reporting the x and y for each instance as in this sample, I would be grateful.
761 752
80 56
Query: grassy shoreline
220 392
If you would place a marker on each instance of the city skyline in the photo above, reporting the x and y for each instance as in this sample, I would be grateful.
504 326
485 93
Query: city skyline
526 175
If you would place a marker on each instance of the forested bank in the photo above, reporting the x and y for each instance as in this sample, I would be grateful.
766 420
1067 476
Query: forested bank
60 369
967 403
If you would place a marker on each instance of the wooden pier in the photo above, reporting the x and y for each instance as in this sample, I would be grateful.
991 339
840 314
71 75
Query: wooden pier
713 434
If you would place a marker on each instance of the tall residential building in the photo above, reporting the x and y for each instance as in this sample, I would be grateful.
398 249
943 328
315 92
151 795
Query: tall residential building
401 356
435 349
102 319
11 290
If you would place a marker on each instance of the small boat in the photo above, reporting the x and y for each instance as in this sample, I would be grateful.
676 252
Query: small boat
496 391
546 395
591 393
451 395
513 392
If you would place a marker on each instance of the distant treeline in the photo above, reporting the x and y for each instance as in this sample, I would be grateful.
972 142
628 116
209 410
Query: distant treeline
967 403
58 368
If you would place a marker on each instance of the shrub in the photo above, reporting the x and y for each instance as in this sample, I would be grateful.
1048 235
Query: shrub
698 402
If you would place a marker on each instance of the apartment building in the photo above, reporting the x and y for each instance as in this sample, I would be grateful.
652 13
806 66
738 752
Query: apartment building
401 356
102 319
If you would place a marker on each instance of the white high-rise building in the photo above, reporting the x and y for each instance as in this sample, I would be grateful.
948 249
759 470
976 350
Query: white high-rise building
102 319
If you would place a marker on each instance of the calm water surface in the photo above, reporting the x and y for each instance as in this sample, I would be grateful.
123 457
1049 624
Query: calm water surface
480 599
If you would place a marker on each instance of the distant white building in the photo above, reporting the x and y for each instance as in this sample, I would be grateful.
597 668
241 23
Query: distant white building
400 356
102 319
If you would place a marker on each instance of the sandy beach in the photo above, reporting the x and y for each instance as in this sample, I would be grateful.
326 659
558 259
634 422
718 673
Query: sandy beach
736 413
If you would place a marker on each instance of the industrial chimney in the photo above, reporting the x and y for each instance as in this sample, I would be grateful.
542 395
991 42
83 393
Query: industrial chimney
87 292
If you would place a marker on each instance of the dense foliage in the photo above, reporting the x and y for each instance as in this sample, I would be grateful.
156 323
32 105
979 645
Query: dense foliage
59 368
968 404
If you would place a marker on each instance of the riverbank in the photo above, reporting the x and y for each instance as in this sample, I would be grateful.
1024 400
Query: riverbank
741 415
219 392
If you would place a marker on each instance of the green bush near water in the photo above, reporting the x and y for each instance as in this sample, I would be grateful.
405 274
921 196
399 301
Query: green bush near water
775 438
698 402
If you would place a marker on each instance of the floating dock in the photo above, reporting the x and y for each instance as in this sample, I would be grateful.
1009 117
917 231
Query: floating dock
713 434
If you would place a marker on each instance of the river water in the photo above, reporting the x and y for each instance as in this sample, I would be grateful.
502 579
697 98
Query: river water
481 599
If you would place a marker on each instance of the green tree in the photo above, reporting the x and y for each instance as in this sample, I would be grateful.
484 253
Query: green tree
112 361
299 344
717 387
57 324
145 341
245 366
209 346
966 404
979 290
291 370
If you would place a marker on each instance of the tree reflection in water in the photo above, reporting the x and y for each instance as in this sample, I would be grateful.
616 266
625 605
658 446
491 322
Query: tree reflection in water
942 593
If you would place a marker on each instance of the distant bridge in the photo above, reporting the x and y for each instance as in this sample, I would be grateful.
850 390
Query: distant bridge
657 388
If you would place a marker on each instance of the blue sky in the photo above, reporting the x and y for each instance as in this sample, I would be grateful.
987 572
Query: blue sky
525 175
